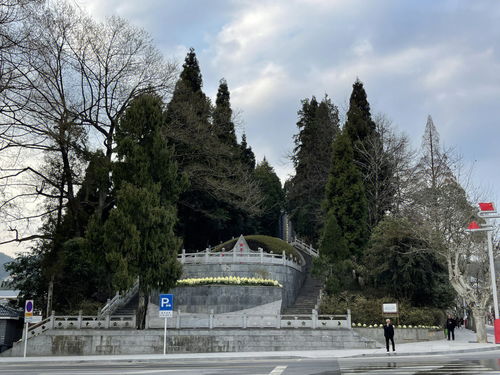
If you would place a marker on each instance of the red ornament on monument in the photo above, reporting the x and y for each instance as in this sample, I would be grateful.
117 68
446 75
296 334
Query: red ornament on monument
487 207
473 225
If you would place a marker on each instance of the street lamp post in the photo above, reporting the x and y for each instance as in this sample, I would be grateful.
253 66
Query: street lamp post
487 211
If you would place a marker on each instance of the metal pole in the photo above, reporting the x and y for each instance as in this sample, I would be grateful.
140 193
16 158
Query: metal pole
165 338
25 339
493 276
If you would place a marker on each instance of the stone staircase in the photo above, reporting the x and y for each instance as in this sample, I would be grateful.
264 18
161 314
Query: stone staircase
129 308
308 297
309 294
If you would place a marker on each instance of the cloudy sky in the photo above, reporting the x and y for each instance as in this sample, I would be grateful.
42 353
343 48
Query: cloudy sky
415 58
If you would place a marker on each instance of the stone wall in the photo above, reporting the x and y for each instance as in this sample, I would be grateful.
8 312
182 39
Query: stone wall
96 342
290 278
401 335
222 298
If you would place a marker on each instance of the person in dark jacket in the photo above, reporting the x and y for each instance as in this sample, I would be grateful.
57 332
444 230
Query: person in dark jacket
450 326
389 335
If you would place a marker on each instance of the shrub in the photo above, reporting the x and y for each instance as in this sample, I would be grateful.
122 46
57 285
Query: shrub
369 310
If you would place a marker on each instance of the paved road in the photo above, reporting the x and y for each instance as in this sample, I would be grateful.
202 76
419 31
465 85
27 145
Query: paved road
479 363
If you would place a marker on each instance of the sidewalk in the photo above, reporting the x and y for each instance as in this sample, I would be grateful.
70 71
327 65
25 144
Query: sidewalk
464 342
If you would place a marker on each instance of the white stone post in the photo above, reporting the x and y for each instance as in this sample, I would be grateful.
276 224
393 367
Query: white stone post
261 251
206 256
53 319
183 256
278 321
314 319
106 324
79 322
348 320
178 319
284 257
211 319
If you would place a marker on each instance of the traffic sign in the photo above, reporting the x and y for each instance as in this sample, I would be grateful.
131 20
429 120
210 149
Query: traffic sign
166 305
28 310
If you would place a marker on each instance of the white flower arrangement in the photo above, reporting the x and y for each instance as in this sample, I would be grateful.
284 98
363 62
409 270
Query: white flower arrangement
228 280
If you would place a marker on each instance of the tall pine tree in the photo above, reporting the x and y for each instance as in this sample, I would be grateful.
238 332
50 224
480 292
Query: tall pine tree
345 197
273 199
318 126
139 239
369 154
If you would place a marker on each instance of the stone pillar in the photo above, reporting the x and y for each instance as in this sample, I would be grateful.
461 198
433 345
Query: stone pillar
178 319
79 322
183 256
284 257
211 319
348 319
314 319
261 252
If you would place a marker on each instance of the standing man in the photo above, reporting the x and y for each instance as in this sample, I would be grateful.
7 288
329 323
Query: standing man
450 326
389 334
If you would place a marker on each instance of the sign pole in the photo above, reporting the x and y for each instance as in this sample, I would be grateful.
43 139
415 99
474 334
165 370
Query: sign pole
25 338
165 338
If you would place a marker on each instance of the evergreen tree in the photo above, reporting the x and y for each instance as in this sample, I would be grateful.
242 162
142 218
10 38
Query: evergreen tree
318 126
222 116
221 195
273 199
139 238
369 154
247 155
345 197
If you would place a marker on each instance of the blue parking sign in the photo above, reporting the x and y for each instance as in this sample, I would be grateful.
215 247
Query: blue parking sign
166 304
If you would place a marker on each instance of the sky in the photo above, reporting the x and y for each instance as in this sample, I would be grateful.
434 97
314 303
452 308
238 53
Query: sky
415 58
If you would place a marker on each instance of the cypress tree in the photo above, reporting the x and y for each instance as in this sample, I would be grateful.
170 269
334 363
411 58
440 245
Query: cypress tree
273 199
345 197
318 126
139 237
368 153
222 116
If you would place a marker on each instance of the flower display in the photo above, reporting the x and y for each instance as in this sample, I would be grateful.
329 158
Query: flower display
228 280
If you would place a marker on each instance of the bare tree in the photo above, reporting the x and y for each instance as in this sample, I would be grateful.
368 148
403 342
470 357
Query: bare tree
441 206
74 77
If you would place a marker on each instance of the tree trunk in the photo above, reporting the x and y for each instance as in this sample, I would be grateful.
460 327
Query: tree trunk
49 296
142 309
480 324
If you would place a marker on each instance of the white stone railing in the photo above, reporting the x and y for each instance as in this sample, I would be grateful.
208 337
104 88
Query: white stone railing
118 300
301 245
243 321
225 257
82 322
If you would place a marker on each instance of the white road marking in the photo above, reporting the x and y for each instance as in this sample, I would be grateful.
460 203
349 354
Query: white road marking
278 370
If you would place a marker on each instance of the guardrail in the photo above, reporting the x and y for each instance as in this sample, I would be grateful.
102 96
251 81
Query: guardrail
83 322
253 257
118 300
181 320
304 247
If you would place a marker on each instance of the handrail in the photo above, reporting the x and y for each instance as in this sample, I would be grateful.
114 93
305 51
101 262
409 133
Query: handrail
119 300
237 257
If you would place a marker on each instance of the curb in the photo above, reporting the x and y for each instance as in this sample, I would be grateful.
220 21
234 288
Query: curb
384 355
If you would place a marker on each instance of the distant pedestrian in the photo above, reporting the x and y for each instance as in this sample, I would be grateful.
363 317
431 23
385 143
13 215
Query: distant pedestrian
450 326
389 335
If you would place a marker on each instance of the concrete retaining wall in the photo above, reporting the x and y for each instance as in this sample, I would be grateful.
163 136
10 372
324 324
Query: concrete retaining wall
222 298
401 335
290 278
95 342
